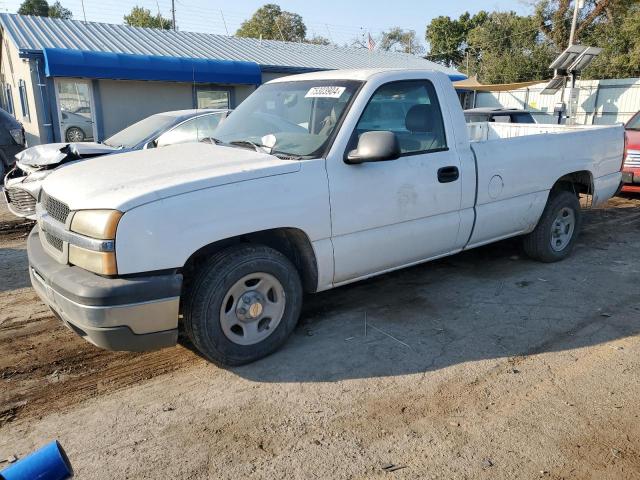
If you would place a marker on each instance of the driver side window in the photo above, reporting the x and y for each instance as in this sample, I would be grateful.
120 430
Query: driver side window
409 109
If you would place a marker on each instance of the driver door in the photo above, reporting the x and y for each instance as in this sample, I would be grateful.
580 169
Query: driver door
394 213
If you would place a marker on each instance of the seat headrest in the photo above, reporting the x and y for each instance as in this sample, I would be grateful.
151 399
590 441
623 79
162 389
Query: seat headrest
419 118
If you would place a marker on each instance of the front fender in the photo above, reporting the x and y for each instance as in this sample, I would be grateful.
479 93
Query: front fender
163 234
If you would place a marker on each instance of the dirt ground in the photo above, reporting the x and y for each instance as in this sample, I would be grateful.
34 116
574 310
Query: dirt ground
482 365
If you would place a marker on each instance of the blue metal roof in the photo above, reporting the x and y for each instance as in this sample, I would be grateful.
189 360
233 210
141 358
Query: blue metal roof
60 62
34 34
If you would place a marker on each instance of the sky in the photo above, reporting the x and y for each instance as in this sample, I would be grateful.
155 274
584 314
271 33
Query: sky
338 20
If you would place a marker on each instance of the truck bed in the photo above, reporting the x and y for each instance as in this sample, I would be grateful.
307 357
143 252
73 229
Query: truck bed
517 164
486 131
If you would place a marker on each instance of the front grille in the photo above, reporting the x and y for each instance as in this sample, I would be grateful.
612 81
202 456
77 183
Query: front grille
633 158
21 201
54 241
54 207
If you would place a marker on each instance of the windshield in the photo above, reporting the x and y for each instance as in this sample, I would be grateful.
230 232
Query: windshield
140 131
291 118
634 123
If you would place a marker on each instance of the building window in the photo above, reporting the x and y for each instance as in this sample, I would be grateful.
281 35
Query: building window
8 98
24 102
213 98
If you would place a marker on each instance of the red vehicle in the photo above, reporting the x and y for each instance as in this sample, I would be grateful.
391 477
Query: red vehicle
631 169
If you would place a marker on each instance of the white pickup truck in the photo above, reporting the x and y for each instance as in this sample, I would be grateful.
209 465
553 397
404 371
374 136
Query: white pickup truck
316 181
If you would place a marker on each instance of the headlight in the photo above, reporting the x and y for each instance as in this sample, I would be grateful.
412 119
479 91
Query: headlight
99 224
103 263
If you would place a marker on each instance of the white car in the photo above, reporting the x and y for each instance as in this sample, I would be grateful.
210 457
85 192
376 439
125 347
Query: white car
22 184
301 194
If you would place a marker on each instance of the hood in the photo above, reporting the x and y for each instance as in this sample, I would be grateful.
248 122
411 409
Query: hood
124 181
55 153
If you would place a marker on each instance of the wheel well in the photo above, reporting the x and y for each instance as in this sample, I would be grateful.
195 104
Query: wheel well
580 182
291 242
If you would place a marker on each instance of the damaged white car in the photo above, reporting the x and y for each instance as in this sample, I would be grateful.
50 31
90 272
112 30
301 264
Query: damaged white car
22 184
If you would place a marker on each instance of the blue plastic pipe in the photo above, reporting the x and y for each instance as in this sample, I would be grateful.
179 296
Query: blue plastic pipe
48 463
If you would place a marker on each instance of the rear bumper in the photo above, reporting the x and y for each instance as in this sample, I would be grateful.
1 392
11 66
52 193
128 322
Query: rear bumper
631 179
133 314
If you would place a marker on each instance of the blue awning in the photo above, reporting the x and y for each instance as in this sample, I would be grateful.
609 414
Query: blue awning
124 66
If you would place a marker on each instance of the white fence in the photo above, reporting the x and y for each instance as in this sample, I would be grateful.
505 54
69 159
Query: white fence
600 102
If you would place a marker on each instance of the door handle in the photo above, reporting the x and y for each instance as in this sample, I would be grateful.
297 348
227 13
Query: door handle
448 174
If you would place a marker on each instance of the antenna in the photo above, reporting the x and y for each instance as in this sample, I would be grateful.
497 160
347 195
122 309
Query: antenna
224 21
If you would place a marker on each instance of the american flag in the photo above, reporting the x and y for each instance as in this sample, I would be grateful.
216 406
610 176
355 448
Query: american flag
371 44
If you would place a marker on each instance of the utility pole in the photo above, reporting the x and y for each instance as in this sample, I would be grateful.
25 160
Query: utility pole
574 22
573 92
173 14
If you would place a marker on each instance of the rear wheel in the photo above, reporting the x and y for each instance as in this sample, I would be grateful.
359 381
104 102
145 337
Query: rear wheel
556 233
243 304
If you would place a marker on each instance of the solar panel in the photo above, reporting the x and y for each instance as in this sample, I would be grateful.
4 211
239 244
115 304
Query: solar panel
584 59
566 58
554 85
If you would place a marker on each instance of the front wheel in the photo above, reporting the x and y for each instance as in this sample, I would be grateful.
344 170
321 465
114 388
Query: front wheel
554 237
243 304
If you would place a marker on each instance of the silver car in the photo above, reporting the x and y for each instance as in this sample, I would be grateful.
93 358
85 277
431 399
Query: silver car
22 184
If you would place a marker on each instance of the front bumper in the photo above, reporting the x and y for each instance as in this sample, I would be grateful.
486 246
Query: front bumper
132 314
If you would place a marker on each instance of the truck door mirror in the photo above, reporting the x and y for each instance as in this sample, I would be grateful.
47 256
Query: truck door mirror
375 146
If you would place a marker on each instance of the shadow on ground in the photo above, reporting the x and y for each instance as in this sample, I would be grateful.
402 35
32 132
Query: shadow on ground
14 272
491 302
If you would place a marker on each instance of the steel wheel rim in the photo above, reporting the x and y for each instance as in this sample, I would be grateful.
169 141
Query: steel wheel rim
562 229
252 308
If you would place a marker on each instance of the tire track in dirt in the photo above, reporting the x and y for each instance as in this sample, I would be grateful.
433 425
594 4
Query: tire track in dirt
44 367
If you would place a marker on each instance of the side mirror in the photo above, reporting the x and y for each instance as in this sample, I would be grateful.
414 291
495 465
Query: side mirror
375 146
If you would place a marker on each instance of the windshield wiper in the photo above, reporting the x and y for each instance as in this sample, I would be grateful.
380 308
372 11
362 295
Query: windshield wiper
258 147
215 141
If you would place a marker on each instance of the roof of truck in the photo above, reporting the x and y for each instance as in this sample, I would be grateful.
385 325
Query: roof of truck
361 74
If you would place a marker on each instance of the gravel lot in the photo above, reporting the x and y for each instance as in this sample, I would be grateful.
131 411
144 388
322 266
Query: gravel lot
481 365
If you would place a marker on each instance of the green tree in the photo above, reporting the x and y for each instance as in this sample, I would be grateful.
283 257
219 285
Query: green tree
272 23
619 37
39 8
509 48
318 40
142 17
398 40
447 38
554 17
58 11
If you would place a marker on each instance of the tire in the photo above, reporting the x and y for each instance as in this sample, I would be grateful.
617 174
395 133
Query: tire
555 235
74 134
214 315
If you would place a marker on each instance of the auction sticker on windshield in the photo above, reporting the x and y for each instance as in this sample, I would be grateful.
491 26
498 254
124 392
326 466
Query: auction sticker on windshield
325 92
